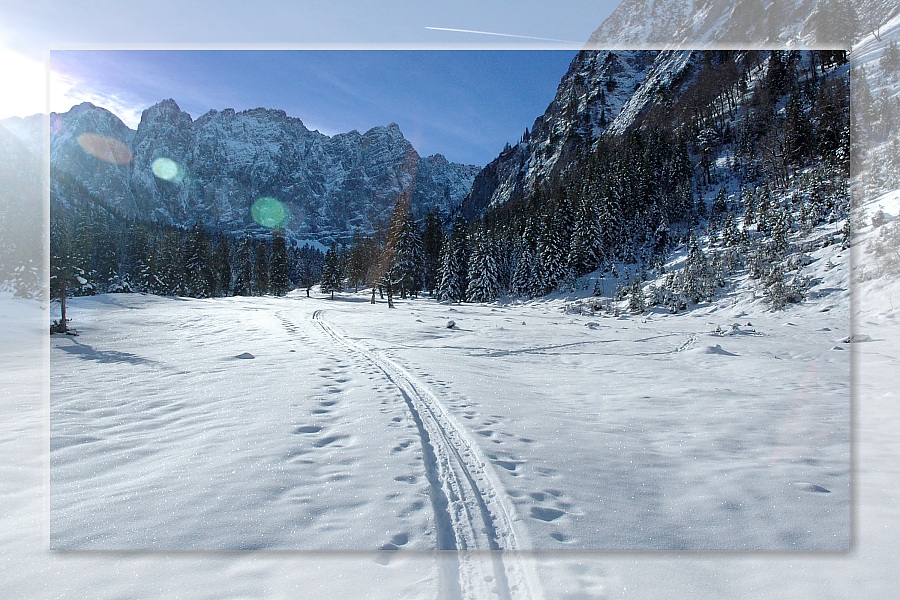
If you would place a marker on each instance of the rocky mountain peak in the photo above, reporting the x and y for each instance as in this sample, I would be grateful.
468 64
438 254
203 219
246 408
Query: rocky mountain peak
218 165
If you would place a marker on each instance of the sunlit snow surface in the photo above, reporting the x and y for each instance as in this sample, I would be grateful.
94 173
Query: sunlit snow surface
724 428
867 571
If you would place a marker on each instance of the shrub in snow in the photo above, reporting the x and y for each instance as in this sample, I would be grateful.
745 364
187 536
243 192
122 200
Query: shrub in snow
846 236
779 291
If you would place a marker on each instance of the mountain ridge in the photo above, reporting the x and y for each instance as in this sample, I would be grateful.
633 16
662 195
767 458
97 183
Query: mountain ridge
227 159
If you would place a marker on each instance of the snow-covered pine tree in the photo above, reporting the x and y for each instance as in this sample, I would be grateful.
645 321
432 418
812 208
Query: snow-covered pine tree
637 302
170 245
890 58
781 228
306 267
584 249
730 235
222 265
523 284
432 244
360 257
279 281
552 254
63 269
483 276
140 263
261 285
719 204
243 282
454 261
694 284
199 276
779 292
408 259
332 271
748 200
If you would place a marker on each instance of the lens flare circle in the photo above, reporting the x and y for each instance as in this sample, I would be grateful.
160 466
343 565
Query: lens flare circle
105 148
166 168
268 212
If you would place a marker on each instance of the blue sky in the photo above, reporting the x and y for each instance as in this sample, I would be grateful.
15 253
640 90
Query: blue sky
31 29
465 104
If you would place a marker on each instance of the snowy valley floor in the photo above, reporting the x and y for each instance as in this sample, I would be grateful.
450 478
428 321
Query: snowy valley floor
355 427
32 570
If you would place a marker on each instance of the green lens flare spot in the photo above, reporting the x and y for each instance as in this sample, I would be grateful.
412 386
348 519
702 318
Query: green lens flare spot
268 212
166 168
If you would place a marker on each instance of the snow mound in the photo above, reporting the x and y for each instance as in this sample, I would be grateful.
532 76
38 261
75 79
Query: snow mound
717 349
857 337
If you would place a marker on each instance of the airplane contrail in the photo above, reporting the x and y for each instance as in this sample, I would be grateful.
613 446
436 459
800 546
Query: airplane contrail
524 37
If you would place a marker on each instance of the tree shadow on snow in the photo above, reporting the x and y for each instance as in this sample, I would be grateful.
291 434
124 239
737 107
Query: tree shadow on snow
104 356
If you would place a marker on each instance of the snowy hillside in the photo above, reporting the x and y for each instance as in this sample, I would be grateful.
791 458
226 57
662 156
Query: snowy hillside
876 68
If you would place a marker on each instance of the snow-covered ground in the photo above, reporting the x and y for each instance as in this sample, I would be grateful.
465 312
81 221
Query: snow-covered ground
866 571
358 427
225 452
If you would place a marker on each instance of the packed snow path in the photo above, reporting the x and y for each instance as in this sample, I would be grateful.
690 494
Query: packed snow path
470 506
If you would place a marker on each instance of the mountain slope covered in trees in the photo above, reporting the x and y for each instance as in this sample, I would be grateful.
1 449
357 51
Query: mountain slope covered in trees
728 157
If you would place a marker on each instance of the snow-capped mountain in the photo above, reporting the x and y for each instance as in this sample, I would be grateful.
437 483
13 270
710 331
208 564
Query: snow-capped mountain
602 91
721 24
588 100
223 161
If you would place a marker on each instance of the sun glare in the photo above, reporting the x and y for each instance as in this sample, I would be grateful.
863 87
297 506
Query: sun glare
24 80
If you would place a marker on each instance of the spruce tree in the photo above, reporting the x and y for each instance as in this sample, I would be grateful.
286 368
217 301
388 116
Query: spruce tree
198 276
432 244
483 275
584 249
890 58
453 272
260 283
222 265
552 254
408 259
63 269
332 271
695 273
637 302
523 277
243 283
279 281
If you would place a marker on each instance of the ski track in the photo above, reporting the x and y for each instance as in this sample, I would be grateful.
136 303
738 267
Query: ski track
471 512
